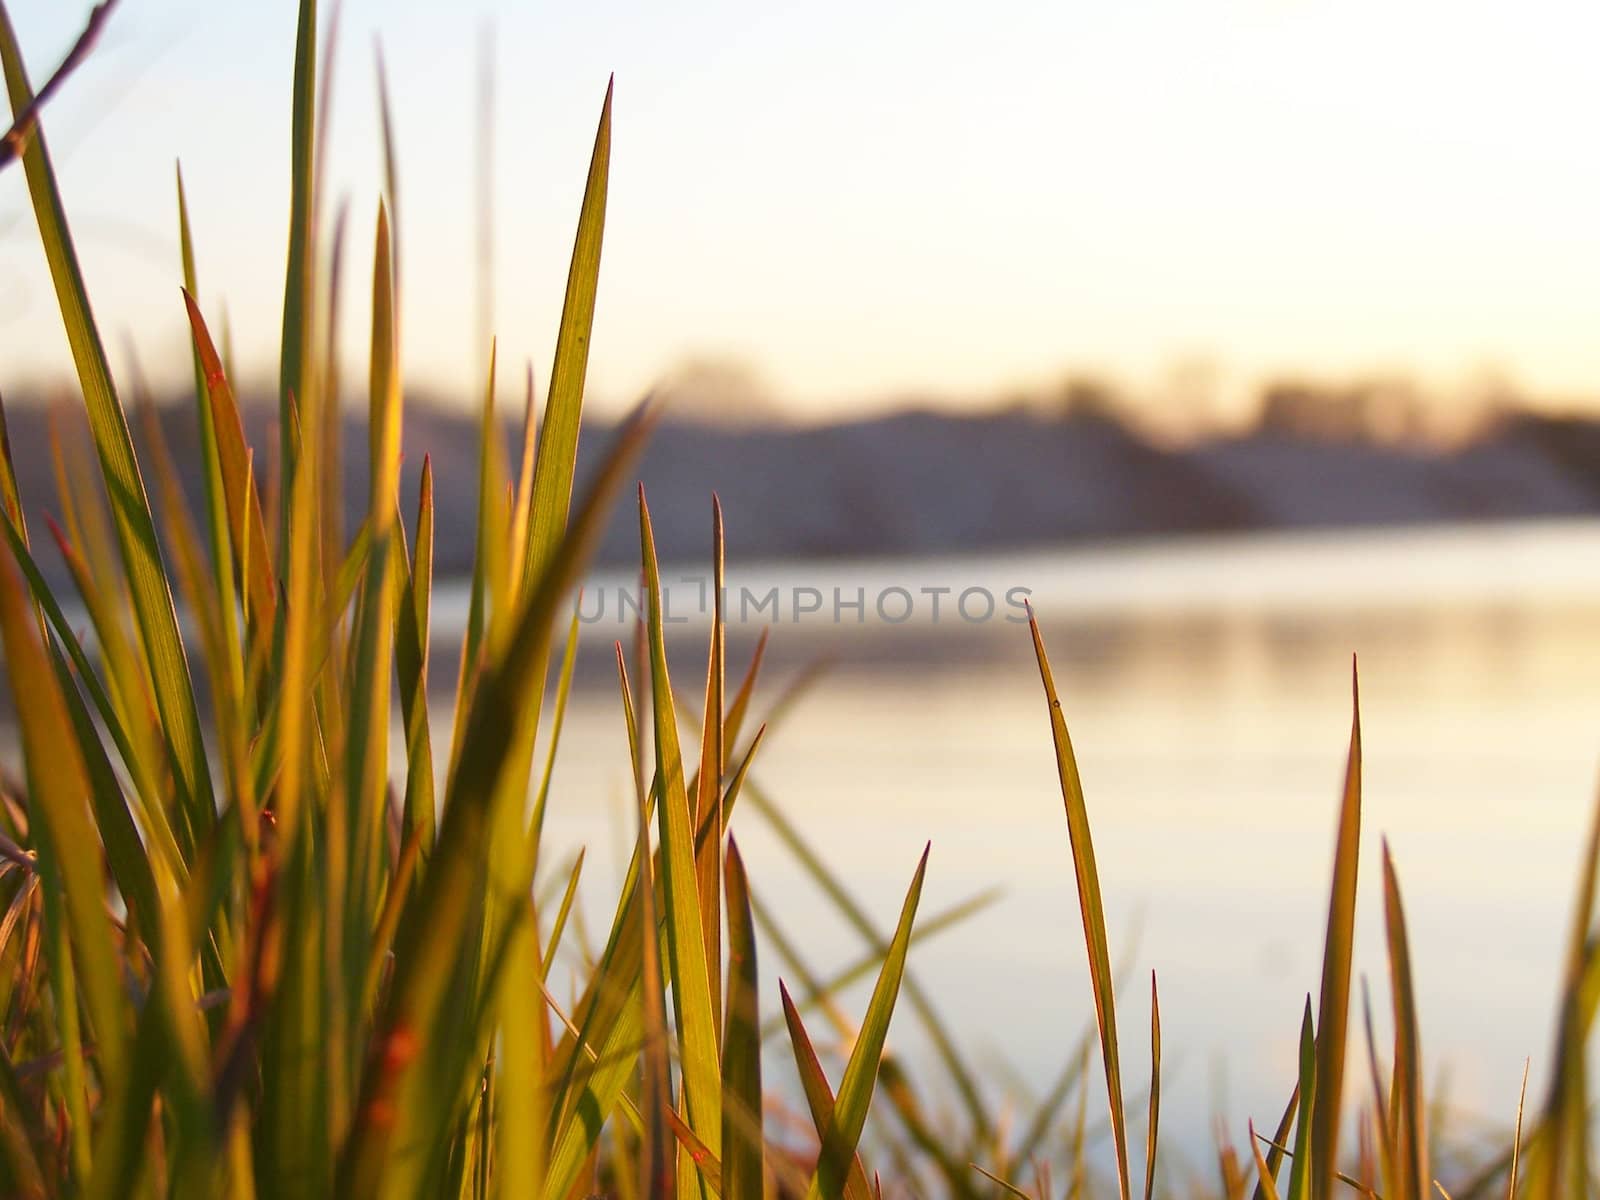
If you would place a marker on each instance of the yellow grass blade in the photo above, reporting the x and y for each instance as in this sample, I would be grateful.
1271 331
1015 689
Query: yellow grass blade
558 439
1266 1183
1094 921
693 1011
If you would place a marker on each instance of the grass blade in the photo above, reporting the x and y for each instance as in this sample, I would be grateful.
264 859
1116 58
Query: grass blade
819 1096
861 1072
1333 1010
1155 1092
1280 1139
708 813
1410 1113
246 524
1094 921
921 1004
218 538
656 1170
294 364
558 438
1300 1169
411 668
1266 1182
868 963
741 1045
693 1010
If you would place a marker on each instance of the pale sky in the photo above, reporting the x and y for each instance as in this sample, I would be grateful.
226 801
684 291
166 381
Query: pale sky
865 201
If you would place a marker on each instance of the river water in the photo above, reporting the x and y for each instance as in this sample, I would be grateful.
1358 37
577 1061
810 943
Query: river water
1207 687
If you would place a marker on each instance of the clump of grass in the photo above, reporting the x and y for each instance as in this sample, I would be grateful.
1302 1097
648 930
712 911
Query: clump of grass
255 964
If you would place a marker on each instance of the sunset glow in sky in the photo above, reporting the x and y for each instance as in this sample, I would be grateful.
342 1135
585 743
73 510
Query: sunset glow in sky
865 201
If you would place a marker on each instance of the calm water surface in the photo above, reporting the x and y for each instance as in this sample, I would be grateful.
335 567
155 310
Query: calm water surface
1207 687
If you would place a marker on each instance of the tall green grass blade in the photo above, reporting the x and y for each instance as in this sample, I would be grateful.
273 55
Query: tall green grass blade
588 1082
1333 1010
1094 921
693 1010
136 535
861 1072
333 404
1410 1109
657 1171
367 751
522 505
707 800
220 648
558 440
1557 1159
1516 1135
391 161
294 365
559 925
741 1045
523 1100
730 794
303 1038
215 495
